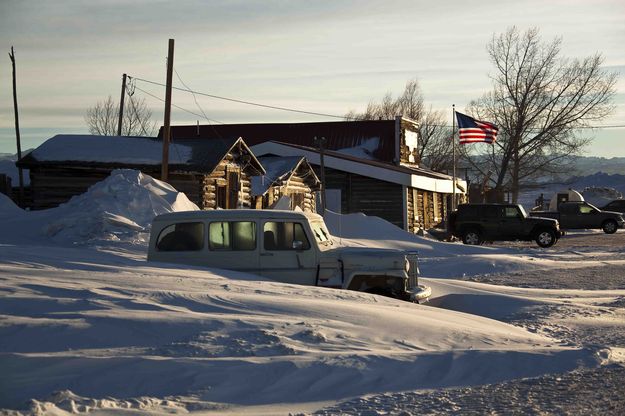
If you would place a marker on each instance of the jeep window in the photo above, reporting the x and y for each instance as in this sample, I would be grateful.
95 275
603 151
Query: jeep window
493 211
184 236
232 235
281 235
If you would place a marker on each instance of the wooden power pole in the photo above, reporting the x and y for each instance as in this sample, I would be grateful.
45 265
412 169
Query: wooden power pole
17 129
166 124
121 107
321 143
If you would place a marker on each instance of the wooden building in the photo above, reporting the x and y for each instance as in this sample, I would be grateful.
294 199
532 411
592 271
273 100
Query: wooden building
410 197
212 174
389 141
286 176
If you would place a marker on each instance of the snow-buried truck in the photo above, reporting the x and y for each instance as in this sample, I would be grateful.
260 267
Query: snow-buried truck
287 246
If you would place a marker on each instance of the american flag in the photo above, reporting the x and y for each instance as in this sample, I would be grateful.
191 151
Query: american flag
475 131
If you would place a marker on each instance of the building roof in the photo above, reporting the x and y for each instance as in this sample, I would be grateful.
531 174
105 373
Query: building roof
278 169
376 138
409 176
190 155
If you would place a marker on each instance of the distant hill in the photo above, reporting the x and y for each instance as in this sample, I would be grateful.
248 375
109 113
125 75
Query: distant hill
590 165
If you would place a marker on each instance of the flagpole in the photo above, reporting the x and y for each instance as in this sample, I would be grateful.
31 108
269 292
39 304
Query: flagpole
453 145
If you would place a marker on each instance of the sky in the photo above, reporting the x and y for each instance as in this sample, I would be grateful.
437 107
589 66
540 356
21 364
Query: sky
327 57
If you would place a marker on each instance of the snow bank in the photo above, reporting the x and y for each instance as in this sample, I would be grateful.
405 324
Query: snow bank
125 329
119 208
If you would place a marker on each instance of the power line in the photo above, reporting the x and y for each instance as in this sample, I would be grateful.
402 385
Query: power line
177 106
615 126
198 105
245 102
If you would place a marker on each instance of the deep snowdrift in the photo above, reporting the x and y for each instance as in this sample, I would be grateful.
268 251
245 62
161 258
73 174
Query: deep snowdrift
110 330
119 208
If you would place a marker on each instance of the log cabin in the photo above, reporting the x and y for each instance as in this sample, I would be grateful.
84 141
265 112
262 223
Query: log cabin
213 174
290 176
414 199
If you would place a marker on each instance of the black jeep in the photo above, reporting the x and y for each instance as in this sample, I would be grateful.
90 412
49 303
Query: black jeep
476 223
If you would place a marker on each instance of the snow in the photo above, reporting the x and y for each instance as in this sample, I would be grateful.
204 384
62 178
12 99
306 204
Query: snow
120 208
88 325
277 168
7 167
109 149
364 150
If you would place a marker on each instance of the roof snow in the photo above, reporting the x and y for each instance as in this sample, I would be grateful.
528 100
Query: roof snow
277 168
109 149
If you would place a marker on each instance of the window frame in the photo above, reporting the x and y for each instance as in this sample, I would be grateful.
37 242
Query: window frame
231 236
306 243
160 237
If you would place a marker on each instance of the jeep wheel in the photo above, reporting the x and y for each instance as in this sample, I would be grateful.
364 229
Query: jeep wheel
472 237
546 238
609 226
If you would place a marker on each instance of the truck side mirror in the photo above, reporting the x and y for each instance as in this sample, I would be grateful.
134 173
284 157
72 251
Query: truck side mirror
298 245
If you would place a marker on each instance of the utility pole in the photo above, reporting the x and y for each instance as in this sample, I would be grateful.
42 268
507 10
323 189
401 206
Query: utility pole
17 129
453 143
121 106
321 143
166 124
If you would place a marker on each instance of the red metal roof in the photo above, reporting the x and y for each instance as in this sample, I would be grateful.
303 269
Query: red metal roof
338 134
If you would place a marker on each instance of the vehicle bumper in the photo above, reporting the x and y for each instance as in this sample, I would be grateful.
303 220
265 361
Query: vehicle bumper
419 294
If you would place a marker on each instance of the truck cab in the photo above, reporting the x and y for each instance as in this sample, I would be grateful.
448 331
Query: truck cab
287 246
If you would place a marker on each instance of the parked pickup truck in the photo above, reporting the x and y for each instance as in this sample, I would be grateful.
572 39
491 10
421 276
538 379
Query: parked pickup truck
287 246
582 215
476 223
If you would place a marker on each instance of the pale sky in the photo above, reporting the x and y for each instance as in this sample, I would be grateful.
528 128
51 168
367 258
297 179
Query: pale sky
322 56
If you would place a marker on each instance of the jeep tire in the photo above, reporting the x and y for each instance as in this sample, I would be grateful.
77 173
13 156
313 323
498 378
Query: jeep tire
472 237
609 226
546 237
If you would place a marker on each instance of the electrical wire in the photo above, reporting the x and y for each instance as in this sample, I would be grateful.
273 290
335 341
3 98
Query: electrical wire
198 105
177 106
320 114
273 107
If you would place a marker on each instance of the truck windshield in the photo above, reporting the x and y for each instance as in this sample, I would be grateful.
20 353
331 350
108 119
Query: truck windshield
323 237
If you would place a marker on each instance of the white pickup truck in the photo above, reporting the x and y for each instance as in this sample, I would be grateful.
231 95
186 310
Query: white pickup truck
287 246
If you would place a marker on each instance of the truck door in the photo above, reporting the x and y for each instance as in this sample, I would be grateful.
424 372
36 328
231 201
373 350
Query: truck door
588 216
513 223
494 222
287 253
233 245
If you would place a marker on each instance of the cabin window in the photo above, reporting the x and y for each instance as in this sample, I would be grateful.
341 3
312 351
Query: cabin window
184 236
232 235
281 235
297 200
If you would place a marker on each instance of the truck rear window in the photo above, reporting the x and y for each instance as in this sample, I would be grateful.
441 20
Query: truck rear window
184 236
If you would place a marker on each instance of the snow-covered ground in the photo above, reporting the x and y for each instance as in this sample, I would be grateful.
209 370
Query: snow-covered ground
88 325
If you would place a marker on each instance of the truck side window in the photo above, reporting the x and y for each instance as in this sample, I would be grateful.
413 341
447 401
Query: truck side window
184 236
232 235
281 235
585 209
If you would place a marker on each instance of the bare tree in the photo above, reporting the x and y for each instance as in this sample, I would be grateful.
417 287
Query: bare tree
435 145
539 101
103 118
